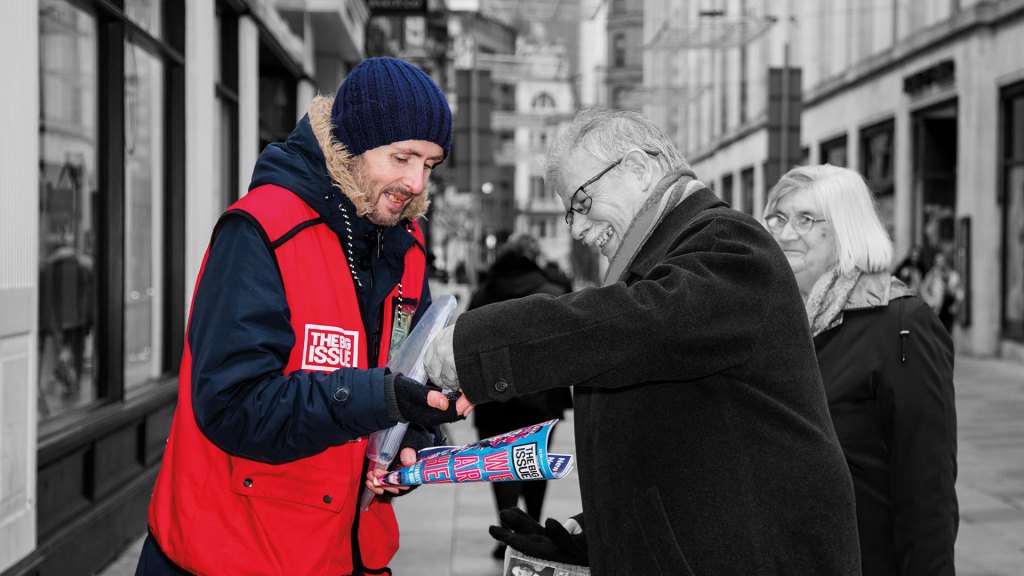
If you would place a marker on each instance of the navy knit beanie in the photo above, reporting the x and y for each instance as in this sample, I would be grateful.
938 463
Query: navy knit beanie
387 100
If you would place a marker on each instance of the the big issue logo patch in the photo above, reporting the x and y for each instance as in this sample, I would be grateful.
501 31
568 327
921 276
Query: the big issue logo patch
329 348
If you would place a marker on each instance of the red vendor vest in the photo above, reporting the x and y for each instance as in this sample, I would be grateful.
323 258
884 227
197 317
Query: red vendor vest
214 513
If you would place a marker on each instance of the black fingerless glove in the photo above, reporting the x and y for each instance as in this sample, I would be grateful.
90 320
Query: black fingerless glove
407 402
548 542
418 437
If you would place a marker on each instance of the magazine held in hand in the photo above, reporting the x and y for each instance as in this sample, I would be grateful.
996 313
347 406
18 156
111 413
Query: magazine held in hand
517 455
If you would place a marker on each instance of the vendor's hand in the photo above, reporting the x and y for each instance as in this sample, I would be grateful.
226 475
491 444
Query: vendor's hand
377 488
463 406
415 439
439 360
410 401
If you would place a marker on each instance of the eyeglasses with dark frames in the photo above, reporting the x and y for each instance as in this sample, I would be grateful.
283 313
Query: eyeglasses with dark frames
802 224
581 201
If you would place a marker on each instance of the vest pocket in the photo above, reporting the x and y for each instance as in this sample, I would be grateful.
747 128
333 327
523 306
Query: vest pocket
307 481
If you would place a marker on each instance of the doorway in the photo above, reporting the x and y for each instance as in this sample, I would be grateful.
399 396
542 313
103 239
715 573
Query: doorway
934 192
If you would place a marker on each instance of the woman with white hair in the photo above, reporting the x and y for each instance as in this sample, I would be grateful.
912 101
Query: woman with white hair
887 365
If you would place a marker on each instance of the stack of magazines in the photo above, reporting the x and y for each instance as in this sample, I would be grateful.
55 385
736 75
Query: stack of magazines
519 564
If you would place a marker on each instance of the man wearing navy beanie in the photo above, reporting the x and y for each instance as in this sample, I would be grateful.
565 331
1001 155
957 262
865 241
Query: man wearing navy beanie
309 282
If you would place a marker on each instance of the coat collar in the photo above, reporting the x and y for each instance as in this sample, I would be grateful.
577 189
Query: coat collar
875 290
677 219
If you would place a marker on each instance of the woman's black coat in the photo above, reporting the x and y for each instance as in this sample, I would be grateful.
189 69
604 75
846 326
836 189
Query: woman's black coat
703 437
893 406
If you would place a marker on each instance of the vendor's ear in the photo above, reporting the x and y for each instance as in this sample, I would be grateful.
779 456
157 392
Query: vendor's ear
641 165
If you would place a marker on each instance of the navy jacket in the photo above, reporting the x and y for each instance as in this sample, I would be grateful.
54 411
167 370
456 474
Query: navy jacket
240 308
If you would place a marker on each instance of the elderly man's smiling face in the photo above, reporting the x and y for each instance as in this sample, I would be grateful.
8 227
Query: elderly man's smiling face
615 198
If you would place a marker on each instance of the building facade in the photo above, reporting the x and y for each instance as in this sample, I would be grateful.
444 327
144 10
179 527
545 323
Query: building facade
922 98
134 124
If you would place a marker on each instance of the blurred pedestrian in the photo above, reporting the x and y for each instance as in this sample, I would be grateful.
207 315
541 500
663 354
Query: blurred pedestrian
515 274
307 282
67 309
887 365
556 275
911 269
703 439
941 289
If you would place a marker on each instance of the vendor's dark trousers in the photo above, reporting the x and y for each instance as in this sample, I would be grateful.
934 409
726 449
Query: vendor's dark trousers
506 495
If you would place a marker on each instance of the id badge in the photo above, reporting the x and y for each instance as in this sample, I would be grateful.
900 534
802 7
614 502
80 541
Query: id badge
401 325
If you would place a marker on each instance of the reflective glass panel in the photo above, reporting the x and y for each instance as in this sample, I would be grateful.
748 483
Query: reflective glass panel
144 185
146 13
67 208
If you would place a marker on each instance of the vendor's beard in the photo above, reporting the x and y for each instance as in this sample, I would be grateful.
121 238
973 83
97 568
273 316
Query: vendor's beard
377 215
383 217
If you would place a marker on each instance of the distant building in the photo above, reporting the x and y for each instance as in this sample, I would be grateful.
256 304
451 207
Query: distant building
926 99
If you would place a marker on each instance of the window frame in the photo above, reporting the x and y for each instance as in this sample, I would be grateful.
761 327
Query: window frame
61 435
1008 159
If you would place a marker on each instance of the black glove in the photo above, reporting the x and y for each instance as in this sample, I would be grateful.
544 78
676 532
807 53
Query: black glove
548 542
407 402
417 437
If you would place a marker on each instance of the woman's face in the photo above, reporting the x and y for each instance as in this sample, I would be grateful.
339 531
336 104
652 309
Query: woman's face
812 253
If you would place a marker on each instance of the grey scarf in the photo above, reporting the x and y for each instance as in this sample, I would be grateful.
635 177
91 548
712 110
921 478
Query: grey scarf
835 293
677 185
828 297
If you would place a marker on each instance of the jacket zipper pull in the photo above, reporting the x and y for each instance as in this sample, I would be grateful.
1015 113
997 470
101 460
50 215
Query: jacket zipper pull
903 345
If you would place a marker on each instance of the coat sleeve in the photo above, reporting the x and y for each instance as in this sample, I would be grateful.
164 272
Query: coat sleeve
241 337
694 313
923 446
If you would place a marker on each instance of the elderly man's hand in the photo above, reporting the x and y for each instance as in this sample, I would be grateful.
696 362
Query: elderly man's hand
439 360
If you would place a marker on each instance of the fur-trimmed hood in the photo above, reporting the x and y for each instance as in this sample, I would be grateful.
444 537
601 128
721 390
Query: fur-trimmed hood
313 164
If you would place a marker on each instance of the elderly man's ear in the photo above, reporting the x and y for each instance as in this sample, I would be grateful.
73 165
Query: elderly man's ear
639 164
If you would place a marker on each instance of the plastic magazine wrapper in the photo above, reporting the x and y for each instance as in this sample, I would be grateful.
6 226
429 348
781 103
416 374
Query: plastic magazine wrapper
408 360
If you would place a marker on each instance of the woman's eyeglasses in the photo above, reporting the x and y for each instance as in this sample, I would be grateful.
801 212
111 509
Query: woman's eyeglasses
802 224
581 201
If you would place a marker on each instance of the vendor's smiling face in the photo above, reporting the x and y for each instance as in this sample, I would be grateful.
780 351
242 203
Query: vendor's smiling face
392 175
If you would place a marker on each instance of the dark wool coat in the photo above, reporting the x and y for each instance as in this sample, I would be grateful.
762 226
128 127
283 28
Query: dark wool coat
703 437
513 276
893 406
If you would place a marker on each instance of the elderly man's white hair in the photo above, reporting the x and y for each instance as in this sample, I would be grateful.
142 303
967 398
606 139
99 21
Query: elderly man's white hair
607 134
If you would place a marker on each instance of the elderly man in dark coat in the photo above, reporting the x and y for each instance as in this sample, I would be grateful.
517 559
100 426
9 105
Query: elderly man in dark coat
704 441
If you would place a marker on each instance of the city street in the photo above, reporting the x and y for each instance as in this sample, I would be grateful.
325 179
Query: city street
444 528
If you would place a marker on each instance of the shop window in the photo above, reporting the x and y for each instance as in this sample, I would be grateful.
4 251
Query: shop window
143 162
834 151
110 219
876 158
543 102
226 161
146 13
726 192
69 157
1012 196
619 50
747 191
536 188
